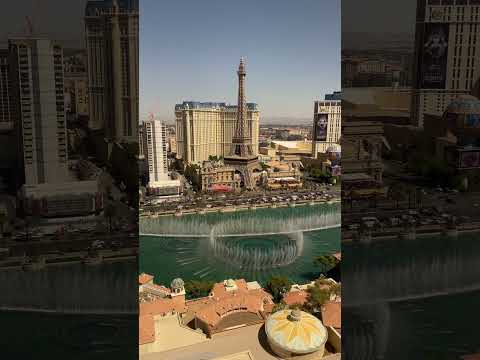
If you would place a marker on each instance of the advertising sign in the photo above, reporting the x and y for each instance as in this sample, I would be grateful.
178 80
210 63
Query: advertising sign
434 56
470 159
472 121
336 170
320 127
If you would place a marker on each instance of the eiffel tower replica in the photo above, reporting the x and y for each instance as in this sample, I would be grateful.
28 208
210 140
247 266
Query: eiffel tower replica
242 156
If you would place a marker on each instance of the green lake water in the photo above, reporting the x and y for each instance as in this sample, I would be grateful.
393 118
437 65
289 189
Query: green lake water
254 245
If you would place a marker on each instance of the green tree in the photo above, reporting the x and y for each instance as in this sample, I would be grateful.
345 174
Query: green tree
109 213
336 289
198 288
192 174
277 307
317 173
296 307
264 166
178 165
277 286
317 296
328 261
3 221
124 168
397 194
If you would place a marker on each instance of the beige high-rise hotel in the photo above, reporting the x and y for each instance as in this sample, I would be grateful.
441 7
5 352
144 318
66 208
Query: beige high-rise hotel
204 129
327 124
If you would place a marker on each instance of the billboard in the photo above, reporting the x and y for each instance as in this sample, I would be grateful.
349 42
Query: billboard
336 170
434 56
470 159
320 127
472 121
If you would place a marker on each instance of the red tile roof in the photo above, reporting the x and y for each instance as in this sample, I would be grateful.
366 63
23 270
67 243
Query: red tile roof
213 313
209 309
163 306
212 309
160 288
332 314
295 297
219 290
471 357
268 308
146 332
144 278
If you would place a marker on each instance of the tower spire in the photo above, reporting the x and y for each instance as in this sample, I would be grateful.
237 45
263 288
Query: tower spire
242 156
241 133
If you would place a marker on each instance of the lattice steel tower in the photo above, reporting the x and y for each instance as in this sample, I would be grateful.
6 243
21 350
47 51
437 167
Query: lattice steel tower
242 156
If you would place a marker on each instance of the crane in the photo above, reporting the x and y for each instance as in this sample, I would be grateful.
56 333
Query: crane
29 19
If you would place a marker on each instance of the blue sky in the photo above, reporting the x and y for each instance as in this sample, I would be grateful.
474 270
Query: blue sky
190 49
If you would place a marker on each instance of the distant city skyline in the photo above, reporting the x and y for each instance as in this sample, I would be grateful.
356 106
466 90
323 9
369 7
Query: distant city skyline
190 51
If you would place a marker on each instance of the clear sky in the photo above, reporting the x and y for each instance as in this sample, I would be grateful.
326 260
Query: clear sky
190 49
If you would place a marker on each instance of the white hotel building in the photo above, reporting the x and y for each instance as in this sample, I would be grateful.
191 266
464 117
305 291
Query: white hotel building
154 144
38 87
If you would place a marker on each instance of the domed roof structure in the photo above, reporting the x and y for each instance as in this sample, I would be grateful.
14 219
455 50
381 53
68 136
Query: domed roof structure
177 284
464 104
230 283
295 332
463 113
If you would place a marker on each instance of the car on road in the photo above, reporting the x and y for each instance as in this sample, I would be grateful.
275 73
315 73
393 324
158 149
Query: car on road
98 244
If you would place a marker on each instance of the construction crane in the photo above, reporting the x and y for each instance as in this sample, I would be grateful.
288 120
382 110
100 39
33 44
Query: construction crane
29 23
29 19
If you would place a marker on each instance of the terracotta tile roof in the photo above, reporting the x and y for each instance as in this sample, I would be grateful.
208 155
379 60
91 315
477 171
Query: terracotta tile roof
146 331
219 290
262 293
212 313
268 308
332 314
163 306
295 297
160 288
144 278
197 304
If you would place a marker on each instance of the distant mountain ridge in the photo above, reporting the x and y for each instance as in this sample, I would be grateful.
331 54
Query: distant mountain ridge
269 120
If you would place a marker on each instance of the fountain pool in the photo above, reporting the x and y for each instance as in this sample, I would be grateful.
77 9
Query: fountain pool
254 245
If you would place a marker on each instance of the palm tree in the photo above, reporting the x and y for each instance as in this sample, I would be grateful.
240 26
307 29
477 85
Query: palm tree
109 212
3 220
397 194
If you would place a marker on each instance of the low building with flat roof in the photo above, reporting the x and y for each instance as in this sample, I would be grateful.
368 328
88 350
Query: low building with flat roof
62 199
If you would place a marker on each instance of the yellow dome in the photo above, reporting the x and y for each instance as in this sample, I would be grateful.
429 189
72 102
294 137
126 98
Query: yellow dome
296 332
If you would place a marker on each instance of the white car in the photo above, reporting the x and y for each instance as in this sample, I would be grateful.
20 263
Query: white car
98 244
